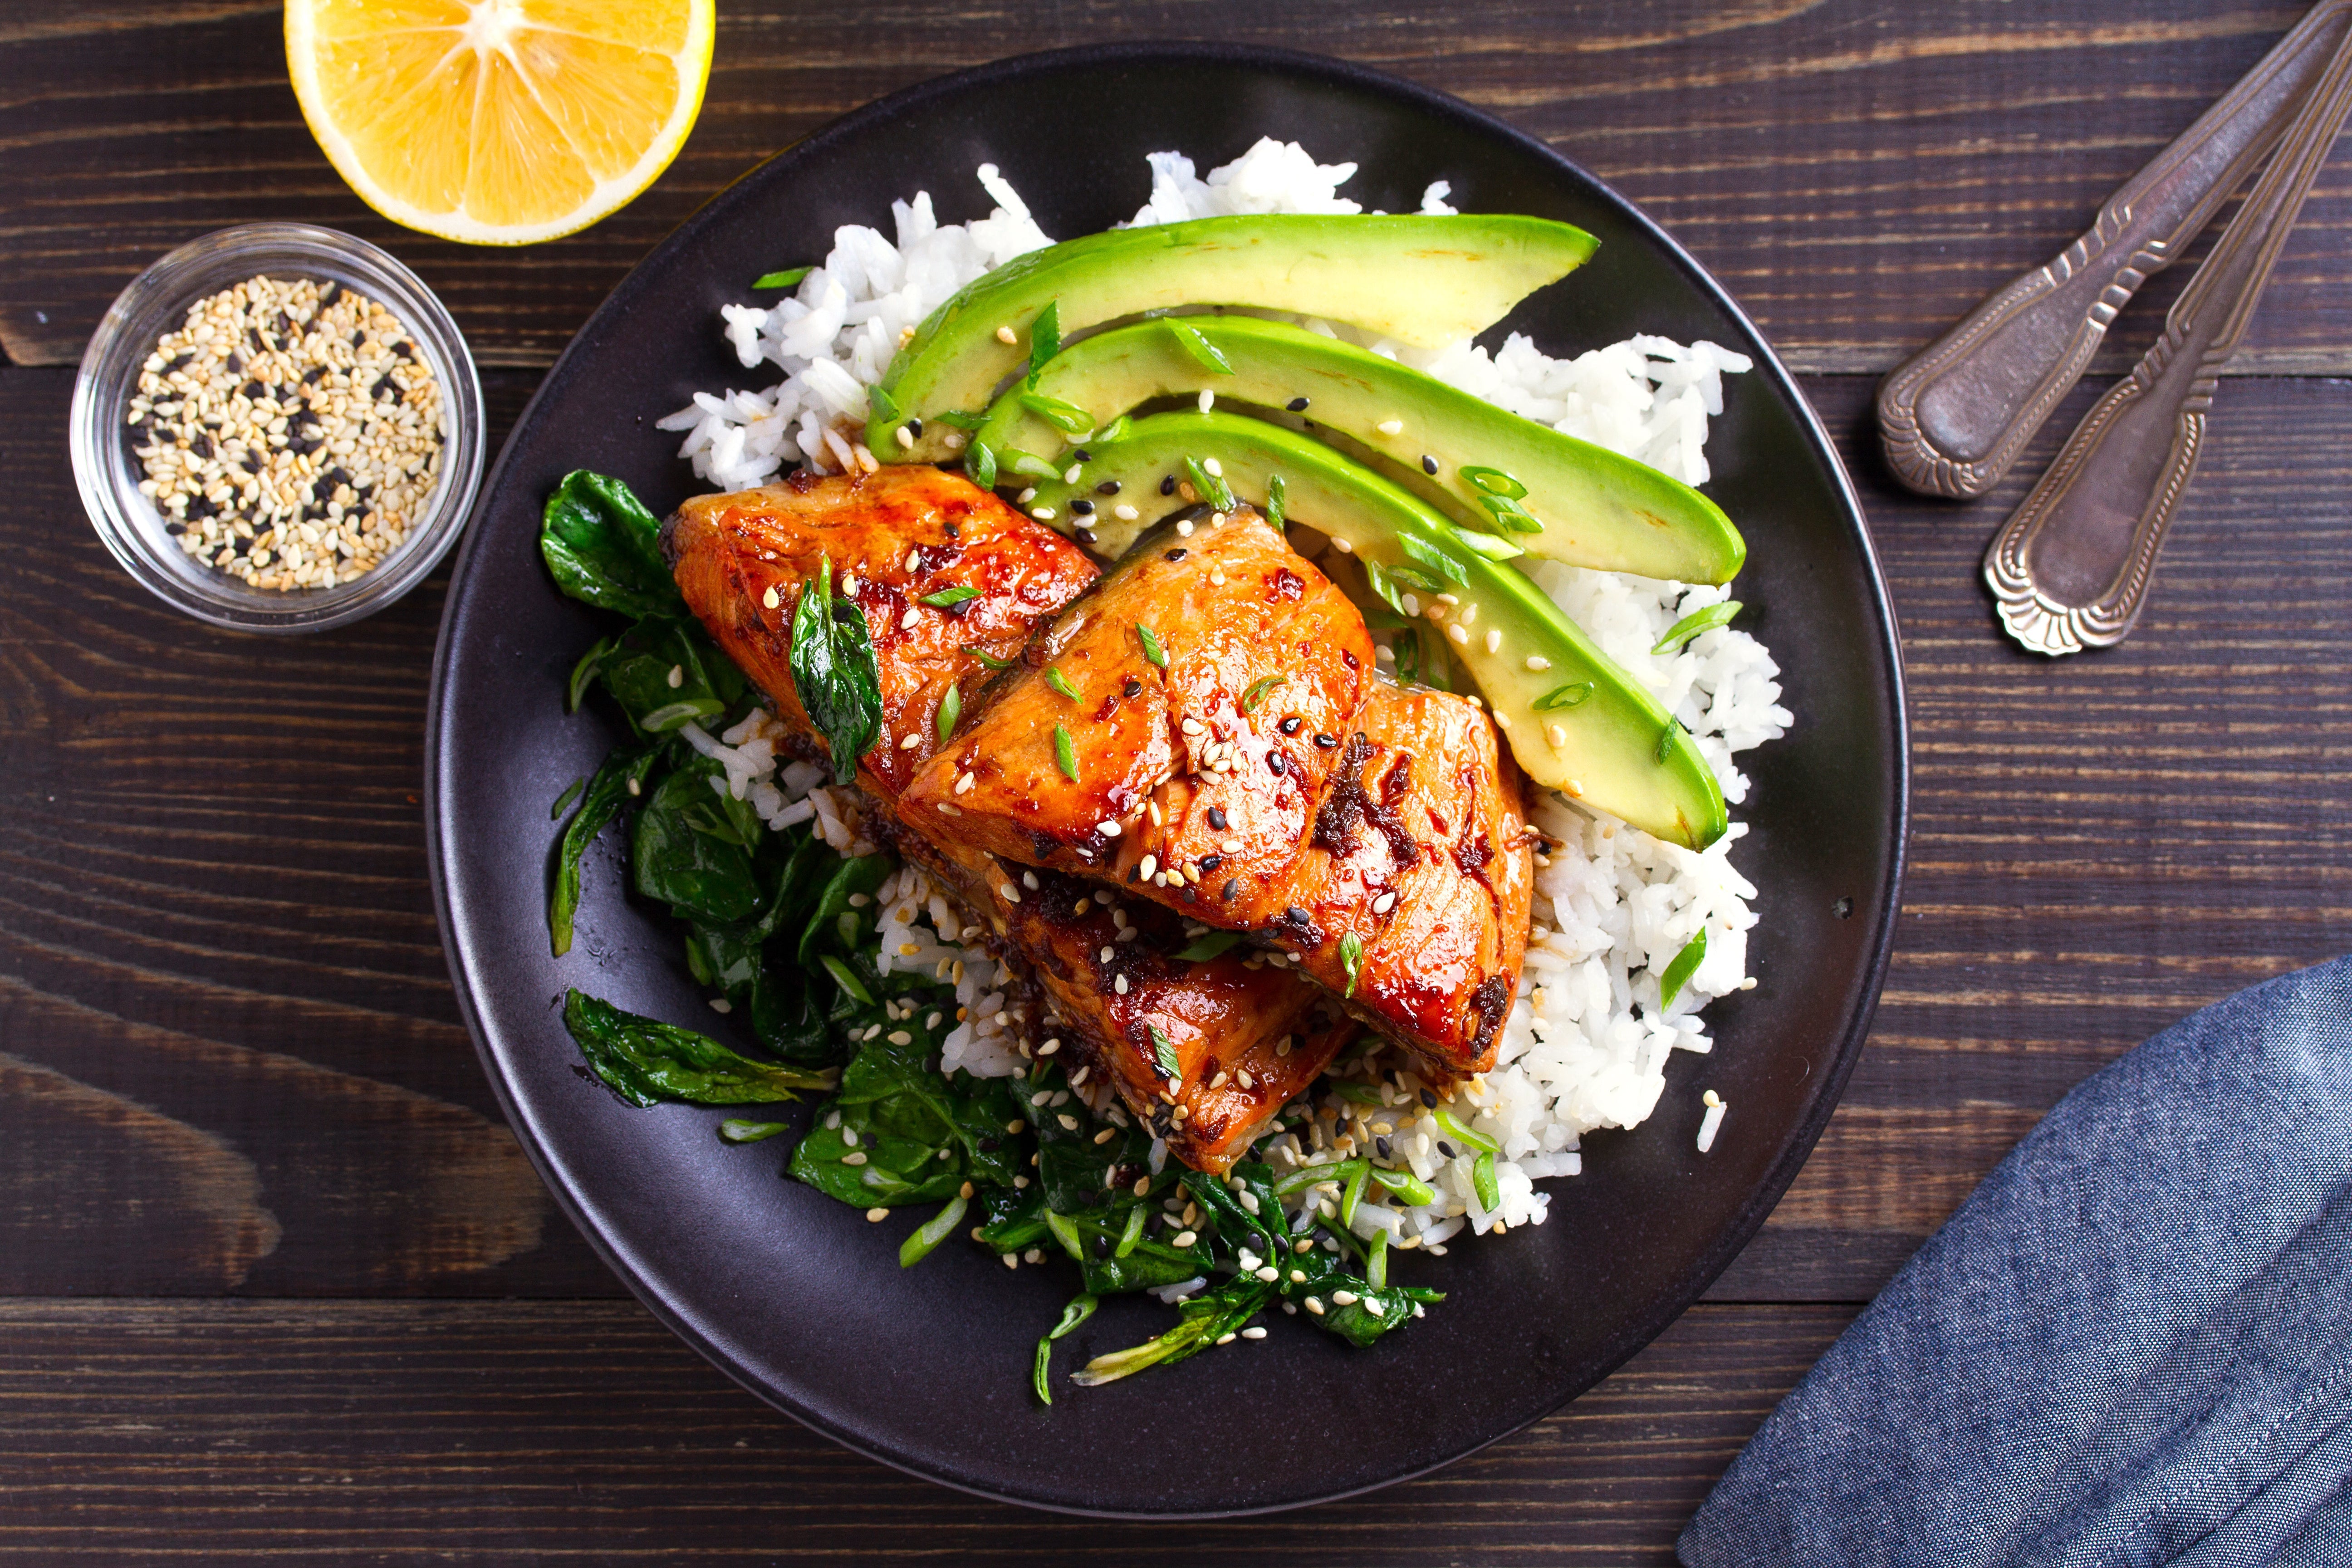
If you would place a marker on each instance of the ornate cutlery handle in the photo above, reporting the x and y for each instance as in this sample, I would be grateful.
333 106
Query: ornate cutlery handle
1955 418
2071 570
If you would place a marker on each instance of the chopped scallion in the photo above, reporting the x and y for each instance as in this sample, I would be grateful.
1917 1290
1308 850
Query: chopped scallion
1351 959
931 1231
567 797
736 1130
1678 972
1410 1189
1045 338
1060 683
787 279
1189 337
1131 1234
1482 1182
1258 688
1275 489
1151 649
951 710
848 979
1163 1054
1697 621
987 661
1560 697
1463 1132
948 597
1065 754
1211 488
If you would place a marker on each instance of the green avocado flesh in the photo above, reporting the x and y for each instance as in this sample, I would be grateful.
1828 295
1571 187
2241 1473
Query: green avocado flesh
1580 723
1424 280
1578 502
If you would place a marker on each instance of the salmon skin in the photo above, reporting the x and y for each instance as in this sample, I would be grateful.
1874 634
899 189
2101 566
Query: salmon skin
1204 730
1243 1037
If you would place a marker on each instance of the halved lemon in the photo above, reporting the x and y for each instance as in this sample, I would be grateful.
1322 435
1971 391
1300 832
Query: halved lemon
499 121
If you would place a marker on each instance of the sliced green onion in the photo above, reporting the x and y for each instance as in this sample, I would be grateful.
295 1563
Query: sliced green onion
1341 1171
1679 971
1666 740
1189 338
931 1231
1275 489
962 418
1080 1308
1114 430
1559 696
1352 1193
1133 1233
1493 481
1436 559
1059 411
735 1129
1037 1378
885 407
1065 754
1204 948
1378 576
1065 1231
1060 683
980 465
789 277
1211 488
848 979
566 798
671 715
1410 1189
1461 1132
1482 1181
951 710
1163 1054
1151 649
948 597
1258 688
1351 959
1376 1261
1359 1093
1697 621
987 659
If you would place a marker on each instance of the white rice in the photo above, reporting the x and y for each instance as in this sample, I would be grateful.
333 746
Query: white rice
1586 1043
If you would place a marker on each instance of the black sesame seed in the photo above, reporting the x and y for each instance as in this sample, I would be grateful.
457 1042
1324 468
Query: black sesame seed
1210 863
1297 406
1326 741
1082 508
1085 535
1428 1100
1428 464
1178 555
403 350
1082 456
328 295
1295 915
1133 688
1233 886
1290 724
251 389
1107 487
235 362
948 528
1382 1144
316 373
1276 763
914 427
1191 895
1168 486
1217 818
1447 1148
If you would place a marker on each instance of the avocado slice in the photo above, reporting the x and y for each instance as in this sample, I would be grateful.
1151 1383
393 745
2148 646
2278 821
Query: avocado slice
1553 495
1579 723
1422 280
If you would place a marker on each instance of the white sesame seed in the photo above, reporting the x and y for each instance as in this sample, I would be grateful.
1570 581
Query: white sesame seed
1151 864
1208 401
910 740
906 438
1005 335
1384 903
1557 735
1390 427
1494 640
877 1216
1125 512
1108 827
1457 636
1042 513
963 781
1537 661
768 600
855 1157
1119 985
1230 847
1184 528
1212 465
1342 546
1029 881
1011 894
677 676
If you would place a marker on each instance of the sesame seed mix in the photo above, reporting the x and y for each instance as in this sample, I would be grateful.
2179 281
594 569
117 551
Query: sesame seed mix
291 433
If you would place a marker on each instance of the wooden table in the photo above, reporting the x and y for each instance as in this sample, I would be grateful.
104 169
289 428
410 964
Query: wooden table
275 1281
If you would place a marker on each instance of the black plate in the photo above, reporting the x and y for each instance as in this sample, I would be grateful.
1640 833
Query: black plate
799 1297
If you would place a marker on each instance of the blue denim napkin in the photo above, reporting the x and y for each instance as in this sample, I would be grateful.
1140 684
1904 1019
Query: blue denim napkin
2132 1344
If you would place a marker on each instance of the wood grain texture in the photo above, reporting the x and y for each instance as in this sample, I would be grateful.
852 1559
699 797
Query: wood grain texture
375 1433
1943 147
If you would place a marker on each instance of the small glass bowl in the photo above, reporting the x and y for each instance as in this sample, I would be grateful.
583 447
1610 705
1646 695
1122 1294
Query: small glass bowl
157 302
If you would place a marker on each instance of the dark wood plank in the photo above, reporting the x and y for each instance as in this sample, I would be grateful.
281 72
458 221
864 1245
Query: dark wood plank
221 989
141 1432
1858 174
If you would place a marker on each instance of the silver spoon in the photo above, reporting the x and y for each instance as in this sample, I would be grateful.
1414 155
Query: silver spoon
2071 569
1954 418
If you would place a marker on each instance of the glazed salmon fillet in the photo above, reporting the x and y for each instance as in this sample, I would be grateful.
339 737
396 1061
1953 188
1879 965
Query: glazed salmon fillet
1244 1036
1204 730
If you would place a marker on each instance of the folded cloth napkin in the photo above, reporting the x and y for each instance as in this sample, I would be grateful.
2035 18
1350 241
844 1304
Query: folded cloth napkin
2132 1344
